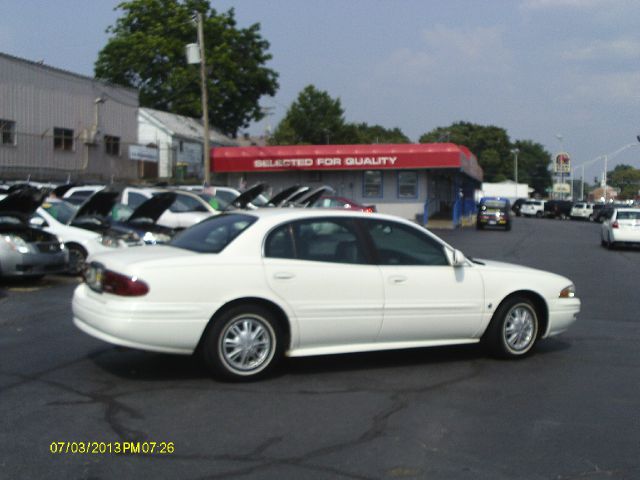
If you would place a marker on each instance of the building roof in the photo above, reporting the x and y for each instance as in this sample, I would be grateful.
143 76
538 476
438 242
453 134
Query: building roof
186 127
346 157
40 64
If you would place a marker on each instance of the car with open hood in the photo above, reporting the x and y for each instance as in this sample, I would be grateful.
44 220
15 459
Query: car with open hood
245 288
27 251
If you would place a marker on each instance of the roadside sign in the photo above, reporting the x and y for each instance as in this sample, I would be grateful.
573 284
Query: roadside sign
562 163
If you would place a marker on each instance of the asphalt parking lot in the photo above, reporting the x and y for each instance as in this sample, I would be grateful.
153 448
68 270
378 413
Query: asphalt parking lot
568 412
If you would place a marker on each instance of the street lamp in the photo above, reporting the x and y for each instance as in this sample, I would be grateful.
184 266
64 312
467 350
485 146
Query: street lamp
611 155
606 158
515 152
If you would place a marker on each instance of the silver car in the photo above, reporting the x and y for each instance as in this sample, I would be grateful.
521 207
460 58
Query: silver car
26 251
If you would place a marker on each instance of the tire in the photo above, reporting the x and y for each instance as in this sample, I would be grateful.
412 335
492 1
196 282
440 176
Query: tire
243 344
77 258
538 214
479 226
610 245
591 218
513 330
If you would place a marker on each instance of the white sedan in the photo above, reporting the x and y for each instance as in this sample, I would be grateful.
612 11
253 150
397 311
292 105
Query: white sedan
623 226
244 289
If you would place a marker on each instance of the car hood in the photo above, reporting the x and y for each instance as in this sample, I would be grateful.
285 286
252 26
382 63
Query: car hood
154 207
99 204
247 196
22 203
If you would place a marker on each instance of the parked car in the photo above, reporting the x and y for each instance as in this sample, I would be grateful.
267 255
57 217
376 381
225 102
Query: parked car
188 208
558 209
582 211
27 251
622 227
55 216
533 208
605 211
77 195
517 204
262 284
493 212
342 202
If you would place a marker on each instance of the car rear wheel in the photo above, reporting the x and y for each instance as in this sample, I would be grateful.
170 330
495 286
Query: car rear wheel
539 214
513 331
244 343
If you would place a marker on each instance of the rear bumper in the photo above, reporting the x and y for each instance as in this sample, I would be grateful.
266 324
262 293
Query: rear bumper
167 328
619 235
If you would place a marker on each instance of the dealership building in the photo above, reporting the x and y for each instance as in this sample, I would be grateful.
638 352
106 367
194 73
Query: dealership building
428 183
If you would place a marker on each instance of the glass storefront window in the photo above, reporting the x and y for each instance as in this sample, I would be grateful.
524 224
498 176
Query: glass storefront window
372 184
407 185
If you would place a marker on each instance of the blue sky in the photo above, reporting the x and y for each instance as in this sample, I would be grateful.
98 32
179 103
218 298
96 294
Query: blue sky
539 68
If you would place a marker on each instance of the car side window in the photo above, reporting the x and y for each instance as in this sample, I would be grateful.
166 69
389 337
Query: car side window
134 200
398 244
320 240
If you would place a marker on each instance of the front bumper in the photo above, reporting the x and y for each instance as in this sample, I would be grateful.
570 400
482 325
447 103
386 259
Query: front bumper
563 312
15 264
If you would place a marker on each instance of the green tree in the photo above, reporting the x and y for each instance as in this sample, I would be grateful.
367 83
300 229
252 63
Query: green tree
146 51
317 119
314 118
533 165
627 179
362 133
493 149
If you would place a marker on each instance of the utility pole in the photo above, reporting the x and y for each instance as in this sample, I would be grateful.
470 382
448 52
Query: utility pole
205 102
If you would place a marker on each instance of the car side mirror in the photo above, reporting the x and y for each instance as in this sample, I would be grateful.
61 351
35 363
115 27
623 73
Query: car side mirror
458 259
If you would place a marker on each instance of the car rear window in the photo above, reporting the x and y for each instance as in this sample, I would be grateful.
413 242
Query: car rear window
213 234
628 215
495 203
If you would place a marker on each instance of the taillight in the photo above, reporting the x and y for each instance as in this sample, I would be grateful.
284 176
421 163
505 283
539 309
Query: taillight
615 224
369 209
100 279
119 284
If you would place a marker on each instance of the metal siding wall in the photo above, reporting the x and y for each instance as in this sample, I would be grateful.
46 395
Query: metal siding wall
39 98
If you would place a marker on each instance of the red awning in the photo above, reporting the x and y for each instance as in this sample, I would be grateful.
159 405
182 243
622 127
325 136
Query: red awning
345 157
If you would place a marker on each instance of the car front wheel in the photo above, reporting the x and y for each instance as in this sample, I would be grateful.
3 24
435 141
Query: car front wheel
244 343
77 258
513 331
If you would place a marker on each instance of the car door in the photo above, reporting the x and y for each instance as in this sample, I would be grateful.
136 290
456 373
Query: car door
426 298
320 268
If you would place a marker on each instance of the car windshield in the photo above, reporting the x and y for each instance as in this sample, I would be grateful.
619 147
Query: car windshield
213 234
61 211
495 204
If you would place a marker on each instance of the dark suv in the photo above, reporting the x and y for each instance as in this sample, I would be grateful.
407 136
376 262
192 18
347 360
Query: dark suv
558 209
493 212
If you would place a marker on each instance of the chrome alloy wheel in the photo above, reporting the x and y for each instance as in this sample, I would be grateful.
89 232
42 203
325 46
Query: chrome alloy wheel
520 328
247 344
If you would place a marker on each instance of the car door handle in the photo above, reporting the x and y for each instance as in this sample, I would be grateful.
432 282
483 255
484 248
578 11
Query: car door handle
397 279
283 276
